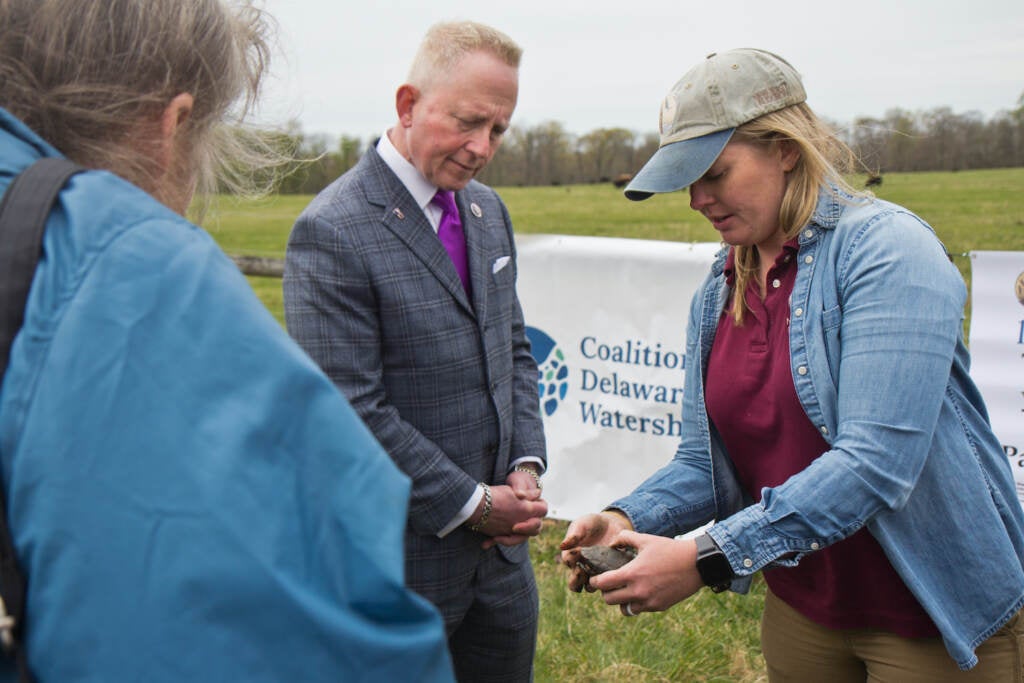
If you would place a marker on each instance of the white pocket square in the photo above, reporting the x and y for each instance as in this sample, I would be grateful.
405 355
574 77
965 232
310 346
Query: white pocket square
499 263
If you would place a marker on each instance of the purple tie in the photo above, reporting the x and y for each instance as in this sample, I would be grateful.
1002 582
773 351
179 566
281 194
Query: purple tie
450 233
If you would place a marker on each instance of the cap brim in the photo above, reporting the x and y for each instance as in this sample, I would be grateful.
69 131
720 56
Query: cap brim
678 165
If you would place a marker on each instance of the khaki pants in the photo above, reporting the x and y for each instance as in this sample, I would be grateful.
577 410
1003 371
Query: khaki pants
798 650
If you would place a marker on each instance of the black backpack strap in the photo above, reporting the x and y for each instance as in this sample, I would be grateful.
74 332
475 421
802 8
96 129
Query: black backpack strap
23 212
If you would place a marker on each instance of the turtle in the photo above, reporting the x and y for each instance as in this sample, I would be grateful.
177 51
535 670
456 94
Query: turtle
596 559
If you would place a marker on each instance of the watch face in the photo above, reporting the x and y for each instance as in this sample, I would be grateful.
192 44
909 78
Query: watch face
713 565
718 569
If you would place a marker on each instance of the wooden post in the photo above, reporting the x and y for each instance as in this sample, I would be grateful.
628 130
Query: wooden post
259 265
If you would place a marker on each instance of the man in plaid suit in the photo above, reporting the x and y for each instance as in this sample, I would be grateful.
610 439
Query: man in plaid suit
438 367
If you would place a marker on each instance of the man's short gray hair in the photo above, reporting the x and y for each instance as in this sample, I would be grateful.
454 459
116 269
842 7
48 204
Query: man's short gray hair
448 42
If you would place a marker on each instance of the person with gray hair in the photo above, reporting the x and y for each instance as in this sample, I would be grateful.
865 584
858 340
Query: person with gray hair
400 282
189 497
833 438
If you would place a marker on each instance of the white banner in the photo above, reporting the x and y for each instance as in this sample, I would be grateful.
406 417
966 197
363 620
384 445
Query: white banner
997 347
607 321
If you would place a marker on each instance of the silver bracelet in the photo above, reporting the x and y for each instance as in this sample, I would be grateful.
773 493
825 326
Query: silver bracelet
486 514
532 472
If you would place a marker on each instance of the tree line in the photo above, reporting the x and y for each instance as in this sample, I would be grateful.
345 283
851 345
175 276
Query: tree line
548 154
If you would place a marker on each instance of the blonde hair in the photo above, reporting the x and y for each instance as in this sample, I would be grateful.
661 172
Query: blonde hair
446 43
92 76
823 159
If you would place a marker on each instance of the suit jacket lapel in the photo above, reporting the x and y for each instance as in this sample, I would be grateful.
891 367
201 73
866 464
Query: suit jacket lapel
474 226
404 218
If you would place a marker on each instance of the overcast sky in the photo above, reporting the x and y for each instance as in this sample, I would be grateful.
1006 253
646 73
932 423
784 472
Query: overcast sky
600 63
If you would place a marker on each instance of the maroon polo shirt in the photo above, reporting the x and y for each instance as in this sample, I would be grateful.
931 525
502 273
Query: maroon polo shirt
752 401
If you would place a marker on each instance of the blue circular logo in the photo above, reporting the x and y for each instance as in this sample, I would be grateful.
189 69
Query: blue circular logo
552 372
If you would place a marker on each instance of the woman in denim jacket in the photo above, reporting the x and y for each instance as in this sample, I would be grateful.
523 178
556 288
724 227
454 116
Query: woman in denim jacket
833 434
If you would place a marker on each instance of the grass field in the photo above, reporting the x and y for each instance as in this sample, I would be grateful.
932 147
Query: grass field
973 210
709 637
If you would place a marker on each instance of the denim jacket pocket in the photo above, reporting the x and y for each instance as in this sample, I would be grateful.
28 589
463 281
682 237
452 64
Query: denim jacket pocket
830 324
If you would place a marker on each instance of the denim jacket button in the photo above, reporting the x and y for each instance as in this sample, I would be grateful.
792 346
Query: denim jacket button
802 370
808 259
798 312
815 545
748 563
824 430
808 233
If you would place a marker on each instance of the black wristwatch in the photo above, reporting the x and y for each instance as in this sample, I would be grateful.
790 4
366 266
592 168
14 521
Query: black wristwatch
713 565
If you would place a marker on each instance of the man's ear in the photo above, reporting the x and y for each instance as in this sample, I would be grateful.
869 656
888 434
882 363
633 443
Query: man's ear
172 122
405 99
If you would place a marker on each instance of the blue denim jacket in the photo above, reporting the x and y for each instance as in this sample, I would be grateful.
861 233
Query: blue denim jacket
877 310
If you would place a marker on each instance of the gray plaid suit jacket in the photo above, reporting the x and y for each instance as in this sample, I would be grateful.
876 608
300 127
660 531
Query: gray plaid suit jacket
448 386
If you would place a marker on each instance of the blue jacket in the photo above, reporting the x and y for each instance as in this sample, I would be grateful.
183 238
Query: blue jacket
190 497
877 309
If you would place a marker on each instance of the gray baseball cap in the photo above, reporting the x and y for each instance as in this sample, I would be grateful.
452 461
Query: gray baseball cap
703 109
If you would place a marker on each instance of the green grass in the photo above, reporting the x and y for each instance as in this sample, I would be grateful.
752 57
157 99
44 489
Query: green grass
602 211
969 210
581 640
709 637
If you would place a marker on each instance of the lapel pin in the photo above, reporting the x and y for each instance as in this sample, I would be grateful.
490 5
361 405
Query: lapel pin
398 212
475 208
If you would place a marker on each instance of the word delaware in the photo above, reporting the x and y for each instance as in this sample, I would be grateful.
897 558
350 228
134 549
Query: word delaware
616 386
